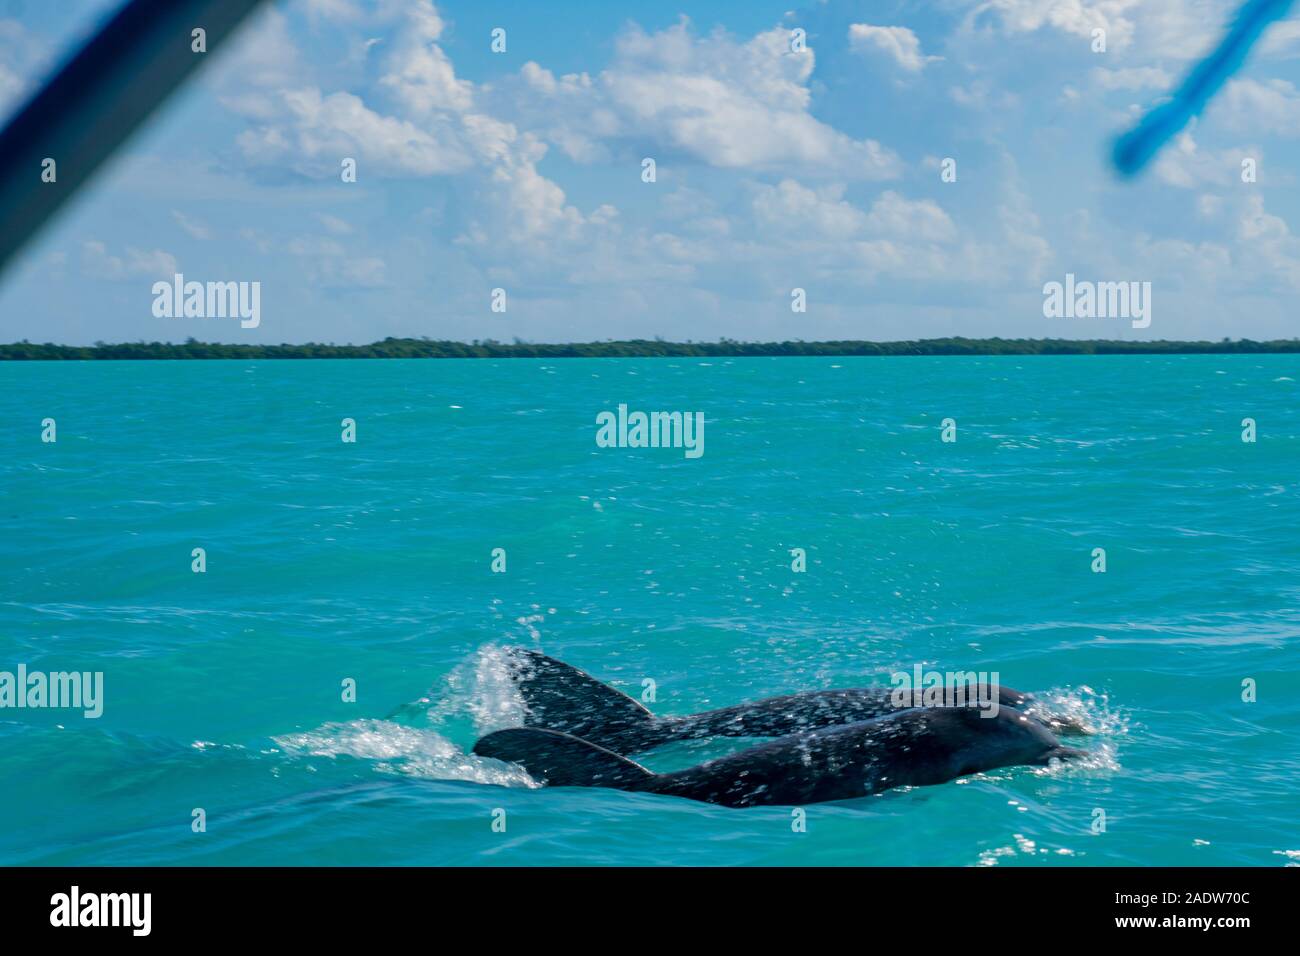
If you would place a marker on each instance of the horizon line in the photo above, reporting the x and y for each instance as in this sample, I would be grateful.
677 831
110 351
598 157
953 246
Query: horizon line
423 347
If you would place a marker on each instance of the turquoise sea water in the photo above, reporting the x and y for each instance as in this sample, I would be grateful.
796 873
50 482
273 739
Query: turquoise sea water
371 561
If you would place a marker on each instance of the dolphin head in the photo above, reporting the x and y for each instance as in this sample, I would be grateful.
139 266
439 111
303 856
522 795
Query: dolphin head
978 740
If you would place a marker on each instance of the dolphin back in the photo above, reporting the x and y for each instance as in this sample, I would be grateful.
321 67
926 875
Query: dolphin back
559 696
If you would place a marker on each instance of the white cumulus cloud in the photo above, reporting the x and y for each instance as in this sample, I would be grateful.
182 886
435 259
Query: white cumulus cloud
898 43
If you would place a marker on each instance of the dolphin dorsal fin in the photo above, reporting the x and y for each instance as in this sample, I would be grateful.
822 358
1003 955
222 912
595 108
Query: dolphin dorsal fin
560 697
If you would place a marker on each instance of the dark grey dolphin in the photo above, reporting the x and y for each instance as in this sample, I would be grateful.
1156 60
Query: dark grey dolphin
560 697
914 747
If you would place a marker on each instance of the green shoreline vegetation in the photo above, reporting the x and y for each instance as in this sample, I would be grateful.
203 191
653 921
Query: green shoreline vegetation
633 348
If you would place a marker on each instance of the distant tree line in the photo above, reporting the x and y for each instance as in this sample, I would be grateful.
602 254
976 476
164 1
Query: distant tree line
632 348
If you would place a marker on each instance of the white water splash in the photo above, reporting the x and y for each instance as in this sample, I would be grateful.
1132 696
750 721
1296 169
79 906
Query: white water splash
480 687
1084 706
495 701
1092 711
403 750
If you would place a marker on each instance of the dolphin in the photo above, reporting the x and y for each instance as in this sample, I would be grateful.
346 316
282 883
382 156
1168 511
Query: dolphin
915 747
558 696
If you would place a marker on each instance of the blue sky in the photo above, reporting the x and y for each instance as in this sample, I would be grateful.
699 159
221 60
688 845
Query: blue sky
775 170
